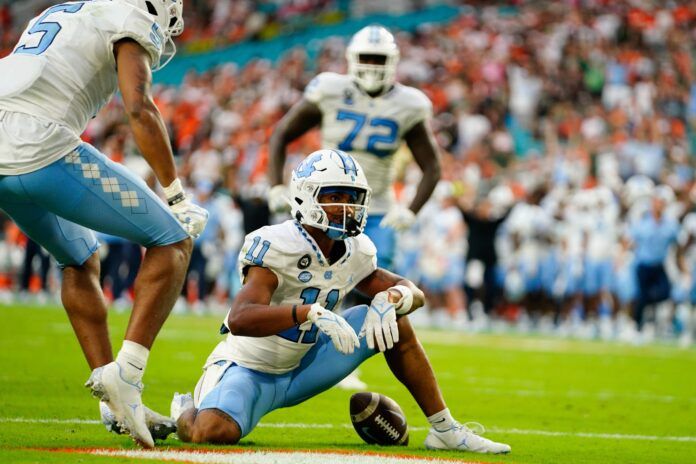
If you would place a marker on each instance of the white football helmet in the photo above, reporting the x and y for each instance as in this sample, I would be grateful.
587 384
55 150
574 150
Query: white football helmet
169 16
373 40
319 172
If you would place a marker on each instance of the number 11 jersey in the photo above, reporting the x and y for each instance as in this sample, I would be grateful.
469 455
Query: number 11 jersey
304 277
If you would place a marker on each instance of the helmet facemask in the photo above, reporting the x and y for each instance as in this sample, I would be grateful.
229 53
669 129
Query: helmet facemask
351 219
321 174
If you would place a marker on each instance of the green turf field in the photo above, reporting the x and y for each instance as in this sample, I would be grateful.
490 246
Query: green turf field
553 401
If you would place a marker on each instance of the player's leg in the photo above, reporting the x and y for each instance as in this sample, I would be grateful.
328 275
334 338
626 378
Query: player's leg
410 365
233 407
87 188
74 247
323 367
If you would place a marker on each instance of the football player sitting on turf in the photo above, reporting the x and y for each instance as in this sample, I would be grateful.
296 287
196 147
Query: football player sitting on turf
284 343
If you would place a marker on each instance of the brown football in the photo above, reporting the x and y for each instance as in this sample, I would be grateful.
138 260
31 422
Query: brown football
378 419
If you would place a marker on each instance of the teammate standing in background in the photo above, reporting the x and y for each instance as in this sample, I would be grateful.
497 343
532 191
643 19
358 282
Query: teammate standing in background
368 115
68 63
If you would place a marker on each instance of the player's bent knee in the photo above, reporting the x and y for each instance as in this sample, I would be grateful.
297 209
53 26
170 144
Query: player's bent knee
215 426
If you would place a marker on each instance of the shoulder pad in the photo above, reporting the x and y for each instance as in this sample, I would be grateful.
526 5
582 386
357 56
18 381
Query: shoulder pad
133 23
416 104
325 84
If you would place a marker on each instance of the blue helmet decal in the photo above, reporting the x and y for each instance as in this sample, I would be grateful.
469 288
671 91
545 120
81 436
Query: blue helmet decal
348 163
306 167
374 35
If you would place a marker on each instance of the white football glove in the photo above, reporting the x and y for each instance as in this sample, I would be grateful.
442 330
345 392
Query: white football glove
278 199
339 331
399 218
192 217
380 323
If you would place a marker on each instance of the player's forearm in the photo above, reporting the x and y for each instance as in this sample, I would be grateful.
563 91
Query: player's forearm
152 139
258 320
431 176
276 149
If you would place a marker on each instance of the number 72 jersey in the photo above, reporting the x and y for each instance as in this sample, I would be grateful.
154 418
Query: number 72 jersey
304 277
370 129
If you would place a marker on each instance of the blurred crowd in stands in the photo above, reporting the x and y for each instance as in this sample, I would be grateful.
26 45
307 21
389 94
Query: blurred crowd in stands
568 133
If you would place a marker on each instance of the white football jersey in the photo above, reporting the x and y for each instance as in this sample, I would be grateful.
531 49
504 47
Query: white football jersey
370 129
304 277
63 71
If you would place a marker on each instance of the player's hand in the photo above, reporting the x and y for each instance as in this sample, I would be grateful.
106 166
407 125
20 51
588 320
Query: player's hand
192 217
339 331
278 199
399 218
380 323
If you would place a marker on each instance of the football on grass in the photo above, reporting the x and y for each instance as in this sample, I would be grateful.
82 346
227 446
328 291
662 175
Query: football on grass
378 419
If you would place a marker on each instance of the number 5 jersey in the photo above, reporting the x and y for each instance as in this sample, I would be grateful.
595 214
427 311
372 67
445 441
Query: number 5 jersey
62 72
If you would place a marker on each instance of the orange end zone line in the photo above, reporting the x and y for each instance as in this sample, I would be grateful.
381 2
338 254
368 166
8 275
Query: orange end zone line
249 451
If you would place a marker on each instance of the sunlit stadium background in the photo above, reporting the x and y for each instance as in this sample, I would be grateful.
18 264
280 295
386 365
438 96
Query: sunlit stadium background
564 127
574 114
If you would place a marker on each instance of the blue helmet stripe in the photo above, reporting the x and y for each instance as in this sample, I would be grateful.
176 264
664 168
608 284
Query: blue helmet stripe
348 162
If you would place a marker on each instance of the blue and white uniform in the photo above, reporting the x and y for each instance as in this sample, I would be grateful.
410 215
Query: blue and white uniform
247 377
371 130
54 186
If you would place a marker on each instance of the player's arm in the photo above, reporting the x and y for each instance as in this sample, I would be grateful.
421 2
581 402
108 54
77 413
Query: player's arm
302 117
134 80
382 280
421 141
251 314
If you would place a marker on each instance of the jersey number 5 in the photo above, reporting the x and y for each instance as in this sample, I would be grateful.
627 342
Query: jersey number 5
49 29
359 120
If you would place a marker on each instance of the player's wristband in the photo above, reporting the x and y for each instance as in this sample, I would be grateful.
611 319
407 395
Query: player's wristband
174 193
406 302
294 315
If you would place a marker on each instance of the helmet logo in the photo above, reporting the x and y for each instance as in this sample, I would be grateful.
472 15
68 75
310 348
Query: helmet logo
306 168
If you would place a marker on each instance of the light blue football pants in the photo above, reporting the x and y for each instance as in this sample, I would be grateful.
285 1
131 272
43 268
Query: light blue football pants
247 395
59 205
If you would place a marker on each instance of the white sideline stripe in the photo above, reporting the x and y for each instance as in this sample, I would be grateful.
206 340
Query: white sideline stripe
290 425
275 457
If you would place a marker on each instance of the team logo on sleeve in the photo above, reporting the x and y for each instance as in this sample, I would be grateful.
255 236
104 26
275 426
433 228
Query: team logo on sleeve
305 276
304 262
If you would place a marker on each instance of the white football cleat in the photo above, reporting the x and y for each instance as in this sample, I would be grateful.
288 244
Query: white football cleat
124 400
181 403
352 382
160 426
461 437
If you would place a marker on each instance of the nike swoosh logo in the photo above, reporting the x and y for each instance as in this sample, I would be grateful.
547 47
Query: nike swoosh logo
441 420
139 368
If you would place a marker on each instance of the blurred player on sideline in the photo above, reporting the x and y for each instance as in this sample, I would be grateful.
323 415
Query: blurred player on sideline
285 344
68 63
